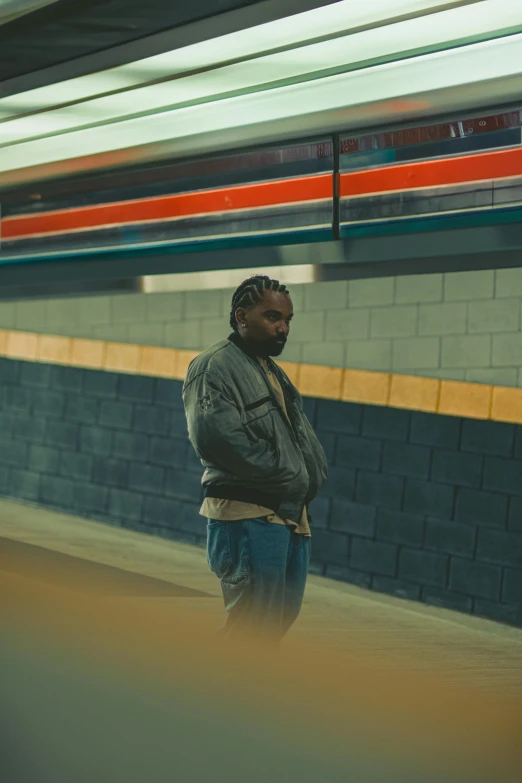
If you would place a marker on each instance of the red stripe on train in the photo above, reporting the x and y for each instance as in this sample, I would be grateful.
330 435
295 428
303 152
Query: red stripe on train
251 196
433 173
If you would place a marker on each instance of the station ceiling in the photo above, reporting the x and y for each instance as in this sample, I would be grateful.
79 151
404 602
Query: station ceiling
38 35
67 29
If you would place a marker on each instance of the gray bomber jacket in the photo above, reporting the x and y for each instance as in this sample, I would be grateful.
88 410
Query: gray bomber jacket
240 433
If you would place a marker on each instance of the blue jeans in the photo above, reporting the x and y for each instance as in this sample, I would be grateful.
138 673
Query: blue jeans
263 568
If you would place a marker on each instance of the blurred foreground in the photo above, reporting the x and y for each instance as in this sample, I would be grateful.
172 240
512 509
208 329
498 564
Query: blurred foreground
111 670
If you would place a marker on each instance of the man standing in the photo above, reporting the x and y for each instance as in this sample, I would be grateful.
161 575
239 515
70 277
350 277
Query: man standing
263 463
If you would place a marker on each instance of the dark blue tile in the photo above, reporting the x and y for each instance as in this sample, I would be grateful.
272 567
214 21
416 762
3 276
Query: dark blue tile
49 403
90 498
426 568
386 423
95 440
356 452
76 465
343 417
341 484
57 492
319 512
454 467
327 441
14 452
171 452
425 497
116 415
27 427
346 517
136 388
162 512
62 434
406 459
168 393
330 548
100 384
375 489
67 379
10 371
399 527
450 538
36 374
18 398
82 409
488 437
130 446
476 579
503 475
125 506
500 547
146 478
432 429
178 424
112 472
183 486
373 556
481 508
151 420
24 484
44 459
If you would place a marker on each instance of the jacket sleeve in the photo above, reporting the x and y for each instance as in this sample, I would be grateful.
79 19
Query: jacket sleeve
219 437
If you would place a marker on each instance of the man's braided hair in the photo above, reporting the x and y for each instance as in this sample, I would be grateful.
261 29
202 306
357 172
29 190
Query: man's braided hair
251 291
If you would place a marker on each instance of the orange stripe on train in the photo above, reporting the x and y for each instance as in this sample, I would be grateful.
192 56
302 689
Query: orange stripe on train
433 173
264 194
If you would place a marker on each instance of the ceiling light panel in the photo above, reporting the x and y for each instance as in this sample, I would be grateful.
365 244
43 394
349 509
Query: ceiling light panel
447 28
289 31
376 92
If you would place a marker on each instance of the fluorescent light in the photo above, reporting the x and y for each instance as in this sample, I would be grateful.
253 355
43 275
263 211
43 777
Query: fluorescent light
337 101
289 31
357 50
226 278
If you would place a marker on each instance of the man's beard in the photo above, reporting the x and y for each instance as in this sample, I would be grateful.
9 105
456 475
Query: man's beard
273 347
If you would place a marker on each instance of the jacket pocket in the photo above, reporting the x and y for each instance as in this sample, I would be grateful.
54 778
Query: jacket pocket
258 419
257 404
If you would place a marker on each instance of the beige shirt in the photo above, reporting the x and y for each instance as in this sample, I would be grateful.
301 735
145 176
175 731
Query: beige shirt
234 510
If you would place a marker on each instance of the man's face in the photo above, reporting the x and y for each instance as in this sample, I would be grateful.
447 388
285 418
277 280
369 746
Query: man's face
267 324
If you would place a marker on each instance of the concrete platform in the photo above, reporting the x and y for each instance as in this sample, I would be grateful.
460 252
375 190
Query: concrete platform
386 630
110 669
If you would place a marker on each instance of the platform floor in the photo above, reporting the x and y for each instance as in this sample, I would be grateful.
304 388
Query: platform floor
123 563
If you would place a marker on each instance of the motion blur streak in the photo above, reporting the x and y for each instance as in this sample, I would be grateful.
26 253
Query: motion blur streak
341 17
104 689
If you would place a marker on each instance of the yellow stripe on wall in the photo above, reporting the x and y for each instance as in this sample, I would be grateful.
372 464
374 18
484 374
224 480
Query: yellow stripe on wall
452 398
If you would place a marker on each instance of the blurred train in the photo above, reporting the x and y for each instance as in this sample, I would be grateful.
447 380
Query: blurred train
391 139
465 172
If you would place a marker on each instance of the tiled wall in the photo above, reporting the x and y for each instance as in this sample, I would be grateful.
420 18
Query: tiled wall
460 326
420 505
108 446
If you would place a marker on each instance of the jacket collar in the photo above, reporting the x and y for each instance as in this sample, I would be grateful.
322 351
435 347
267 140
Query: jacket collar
241 344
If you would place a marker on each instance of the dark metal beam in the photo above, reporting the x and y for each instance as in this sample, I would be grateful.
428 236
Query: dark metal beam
489 247
216 23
